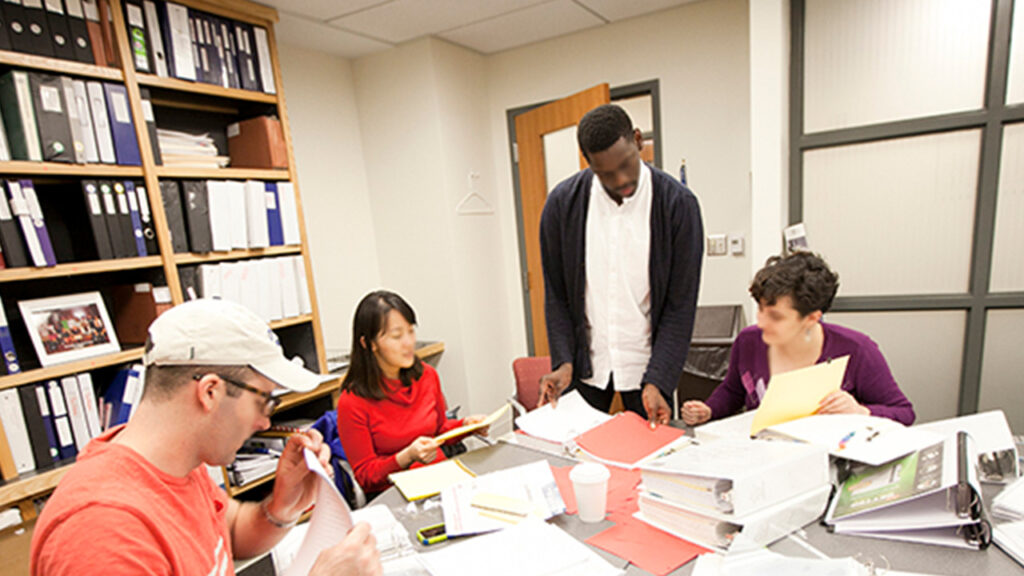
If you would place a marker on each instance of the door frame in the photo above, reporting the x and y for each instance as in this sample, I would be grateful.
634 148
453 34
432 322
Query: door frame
649 87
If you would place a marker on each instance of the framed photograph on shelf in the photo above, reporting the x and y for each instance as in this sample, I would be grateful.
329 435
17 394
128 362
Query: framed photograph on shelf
69 328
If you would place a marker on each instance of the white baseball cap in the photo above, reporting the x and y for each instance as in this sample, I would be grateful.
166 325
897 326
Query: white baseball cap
222 333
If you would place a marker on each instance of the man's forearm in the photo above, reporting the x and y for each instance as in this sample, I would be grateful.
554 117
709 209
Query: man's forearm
254 532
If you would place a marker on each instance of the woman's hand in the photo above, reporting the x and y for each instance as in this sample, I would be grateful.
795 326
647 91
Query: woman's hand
422 449
841 402
475 419
695 412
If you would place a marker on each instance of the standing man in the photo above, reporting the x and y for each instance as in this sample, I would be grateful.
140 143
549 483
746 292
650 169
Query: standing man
621 246
139 499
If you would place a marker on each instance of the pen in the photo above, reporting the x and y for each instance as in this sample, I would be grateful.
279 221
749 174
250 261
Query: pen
842 443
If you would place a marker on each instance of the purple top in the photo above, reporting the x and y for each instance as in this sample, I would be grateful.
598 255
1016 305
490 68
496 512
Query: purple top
867 378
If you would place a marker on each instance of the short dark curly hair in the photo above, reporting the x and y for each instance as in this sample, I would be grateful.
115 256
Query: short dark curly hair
602 127
803 276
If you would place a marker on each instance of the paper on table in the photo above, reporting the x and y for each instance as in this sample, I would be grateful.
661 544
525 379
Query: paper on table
796 394
646 547
736 426
868 439
533 483
1009 504
572 417
330 523
1009 536
530 548
561 474
427 481
628 440
467 428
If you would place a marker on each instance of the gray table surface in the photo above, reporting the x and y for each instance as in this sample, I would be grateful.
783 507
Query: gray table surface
900 556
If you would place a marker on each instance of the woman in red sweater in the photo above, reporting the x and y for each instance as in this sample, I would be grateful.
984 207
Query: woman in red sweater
391 404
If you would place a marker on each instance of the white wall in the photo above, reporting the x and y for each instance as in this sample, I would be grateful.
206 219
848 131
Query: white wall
699 53
332 182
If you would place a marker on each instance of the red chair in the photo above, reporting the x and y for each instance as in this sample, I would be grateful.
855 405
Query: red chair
528 371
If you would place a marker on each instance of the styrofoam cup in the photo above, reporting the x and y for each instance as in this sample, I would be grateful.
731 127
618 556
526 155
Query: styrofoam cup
590 483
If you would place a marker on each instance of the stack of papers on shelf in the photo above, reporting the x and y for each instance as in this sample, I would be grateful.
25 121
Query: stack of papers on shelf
627 441
931 496
572 417
181 149
501 499
797 394
991 439
868 439
249 467
427 481
530 548
736 476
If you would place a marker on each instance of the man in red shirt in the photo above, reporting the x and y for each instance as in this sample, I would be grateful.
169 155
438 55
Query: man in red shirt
139 499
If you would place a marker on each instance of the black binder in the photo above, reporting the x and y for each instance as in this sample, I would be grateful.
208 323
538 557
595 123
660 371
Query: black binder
60 34
196 205
52 118
80 41
171 195
37 434
146 218
150 118
124 220
121 244
5 38
97 219
17 26
138 42
38 31
248 77
13 244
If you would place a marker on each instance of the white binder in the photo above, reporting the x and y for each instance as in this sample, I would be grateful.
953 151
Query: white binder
101 122
76 410
13 421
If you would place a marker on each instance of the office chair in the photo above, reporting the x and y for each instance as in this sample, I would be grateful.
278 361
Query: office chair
344 476
528 371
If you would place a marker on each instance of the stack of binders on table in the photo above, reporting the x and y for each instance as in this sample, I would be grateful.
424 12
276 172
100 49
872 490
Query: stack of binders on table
735 495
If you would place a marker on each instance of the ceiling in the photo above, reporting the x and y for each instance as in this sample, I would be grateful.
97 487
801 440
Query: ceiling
354 28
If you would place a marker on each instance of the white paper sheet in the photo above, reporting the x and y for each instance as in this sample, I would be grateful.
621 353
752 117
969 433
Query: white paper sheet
531 548
868 439
330 523
532 483
572 417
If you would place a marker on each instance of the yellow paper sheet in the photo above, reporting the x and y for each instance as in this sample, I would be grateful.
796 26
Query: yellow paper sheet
491 418
427 481
796 394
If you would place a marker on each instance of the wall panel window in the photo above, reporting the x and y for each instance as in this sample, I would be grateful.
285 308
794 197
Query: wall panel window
872 61
906 202
907 167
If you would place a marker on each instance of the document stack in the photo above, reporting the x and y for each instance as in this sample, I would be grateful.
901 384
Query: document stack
735 495
251 465
1008 530
184 150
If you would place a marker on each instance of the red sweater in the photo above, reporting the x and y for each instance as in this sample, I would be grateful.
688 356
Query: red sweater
374 431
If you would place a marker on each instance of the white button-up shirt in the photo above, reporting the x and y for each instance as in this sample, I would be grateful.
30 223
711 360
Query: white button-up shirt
618 292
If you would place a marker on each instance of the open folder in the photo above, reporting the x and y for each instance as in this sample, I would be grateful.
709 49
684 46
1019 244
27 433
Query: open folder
796 394
930 496
466 429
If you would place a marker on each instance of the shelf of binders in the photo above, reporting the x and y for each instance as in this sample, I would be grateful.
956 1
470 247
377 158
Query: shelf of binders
19 60
222 173
205 89
78 268
24 167
87 365
201 258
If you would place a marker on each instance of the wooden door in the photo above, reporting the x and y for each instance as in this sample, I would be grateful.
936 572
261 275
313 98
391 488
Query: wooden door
531 127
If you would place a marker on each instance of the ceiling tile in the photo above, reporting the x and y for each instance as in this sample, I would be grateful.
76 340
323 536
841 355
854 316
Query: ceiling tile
618 10
321 9
313 35
402 20
540 22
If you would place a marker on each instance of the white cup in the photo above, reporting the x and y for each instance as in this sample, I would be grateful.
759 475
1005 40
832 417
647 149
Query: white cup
590 483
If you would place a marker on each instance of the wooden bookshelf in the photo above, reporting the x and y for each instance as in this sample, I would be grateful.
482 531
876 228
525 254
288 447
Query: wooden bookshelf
196 258
32 486
293 321
60 169
188 87
222 173
78 268
87 365
55 66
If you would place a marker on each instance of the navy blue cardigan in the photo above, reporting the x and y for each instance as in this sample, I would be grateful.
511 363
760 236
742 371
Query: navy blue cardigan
677 247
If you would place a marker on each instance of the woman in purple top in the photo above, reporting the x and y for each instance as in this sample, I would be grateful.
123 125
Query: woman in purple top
792 294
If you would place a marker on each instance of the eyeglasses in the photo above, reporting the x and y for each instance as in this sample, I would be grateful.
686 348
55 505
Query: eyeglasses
270 402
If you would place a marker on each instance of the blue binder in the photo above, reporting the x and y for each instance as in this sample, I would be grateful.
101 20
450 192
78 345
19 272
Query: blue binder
126 145
133 208
61 422
44 411
274 229
38 221
7 345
